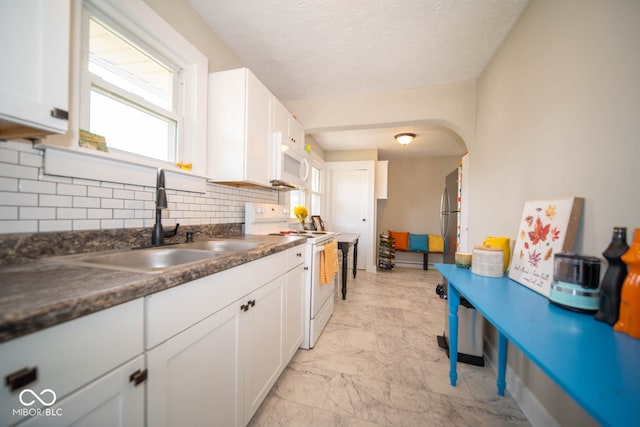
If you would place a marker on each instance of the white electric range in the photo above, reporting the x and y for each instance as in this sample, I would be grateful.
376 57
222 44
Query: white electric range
265 219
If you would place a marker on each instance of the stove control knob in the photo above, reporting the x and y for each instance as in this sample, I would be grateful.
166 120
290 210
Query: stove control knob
259 210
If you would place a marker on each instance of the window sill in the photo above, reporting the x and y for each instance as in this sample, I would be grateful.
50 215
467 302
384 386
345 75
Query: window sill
112 167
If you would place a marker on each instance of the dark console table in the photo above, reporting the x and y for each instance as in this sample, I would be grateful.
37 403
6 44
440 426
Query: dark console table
345 241
595 365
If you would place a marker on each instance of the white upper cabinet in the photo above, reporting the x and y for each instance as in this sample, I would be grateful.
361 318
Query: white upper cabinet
382 179
296 135
238 128
34 76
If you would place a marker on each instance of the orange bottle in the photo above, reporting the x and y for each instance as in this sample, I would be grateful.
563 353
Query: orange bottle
629 320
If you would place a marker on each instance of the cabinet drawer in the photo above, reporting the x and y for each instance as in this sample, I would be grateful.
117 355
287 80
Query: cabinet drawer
169 312
70 355
295 256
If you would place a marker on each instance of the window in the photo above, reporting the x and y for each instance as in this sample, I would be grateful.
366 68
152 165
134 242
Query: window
131 92
316 191
296 198
142 85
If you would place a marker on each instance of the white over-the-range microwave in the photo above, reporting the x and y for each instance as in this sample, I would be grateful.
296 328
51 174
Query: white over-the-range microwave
290 169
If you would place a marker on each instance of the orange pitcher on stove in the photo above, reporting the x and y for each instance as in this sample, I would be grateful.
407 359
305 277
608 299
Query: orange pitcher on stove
500 243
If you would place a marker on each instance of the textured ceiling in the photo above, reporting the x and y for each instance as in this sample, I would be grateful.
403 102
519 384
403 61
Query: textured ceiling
302 49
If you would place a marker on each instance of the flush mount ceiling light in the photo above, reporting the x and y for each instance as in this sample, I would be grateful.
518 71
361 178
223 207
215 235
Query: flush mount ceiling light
404 138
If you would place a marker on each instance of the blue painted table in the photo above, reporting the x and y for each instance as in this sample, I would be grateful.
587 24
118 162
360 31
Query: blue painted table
598 367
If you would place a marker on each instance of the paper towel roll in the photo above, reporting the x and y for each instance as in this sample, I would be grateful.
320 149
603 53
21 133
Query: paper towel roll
487 261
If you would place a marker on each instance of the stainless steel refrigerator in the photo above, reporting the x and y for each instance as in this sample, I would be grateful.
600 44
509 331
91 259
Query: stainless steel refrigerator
449 212
470 322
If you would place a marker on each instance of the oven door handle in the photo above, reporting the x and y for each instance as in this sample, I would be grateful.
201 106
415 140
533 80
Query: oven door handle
318 249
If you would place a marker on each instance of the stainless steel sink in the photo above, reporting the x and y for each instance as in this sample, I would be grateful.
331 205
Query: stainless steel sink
223 245
149 260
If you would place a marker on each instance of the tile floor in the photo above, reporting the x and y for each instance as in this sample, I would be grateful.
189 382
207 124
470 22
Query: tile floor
378 364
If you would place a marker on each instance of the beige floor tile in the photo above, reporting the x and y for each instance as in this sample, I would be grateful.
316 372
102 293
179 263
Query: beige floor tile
377 363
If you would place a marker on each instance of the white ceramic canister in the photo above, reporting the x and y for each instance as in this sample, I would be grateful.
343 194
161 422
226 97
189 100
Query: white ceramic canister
487 261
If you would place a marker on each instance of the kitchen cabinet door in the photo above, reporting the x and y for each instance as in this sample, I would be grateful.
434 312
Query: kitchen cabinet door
114 400
239 135
294 311
296 135
194 376
34 76
262 337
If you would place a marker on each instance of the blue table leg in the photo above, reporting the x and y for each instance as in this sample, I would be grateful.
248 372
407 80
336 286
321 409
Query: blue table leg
454 303
503 345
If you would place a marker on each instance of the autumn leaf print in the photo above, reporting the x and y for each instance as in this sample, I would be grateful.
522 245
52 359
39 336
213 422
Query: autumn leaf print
534 258
555 234
529 220
539 232
521 254
548 254
550 212
526 245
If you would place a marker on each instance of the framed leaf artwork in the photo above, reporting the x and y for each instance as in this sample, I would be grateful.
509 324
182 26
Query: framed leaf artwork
547 227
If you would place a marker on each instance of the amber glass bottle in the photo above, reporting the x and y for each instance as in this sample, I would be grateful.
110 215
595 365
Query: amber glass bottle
629 320
611 286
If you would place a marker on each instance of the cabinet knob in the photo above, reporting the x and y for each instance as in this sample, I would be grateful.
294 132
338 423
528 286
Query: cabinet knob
21 378
299 255
138 377
306 268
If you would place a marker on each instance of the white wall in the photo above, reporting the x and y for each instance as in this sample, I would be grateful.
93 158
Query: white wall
557 115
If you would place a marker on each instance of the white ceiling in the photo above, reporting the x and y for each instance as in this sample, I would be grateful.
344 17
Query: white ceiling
304 49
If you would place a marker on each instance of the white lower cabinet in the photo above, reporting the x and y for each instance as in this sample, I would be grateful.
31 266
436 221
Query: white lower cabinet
217 368
206 353
80 368
294 302
110 401
194 376
262 336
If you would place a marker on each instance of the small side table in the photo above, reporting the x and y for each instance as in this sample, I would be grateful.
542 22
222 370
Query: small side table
345 241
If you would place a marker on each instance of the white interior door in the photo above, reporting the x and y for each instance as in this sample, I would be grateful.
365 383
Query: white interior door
352 205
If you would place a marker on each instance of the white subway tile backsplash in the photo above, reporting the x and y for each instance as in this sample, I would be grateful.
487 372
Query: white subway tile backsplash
32 202
112 203
111 223
8 156
18 227
99 213
8 212
56 201
34 186
106 193
18 199
72 190
133 223
55 225
31 159
123 194
8 184
71 213
19 171
86 202
29 212
86 224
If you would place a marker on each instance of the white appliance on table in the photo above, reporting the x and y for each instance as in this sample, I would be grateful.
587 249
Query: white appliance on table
265 219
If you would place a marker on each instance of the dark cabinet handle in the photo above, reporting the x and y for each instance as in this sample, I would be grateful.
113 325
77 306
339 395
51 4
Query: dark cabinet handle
21 378
299 255
253 303
59 113
138 377
244 307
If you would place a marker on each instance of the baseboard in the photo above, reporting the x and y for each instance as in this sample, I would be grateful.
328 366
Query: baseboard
530 406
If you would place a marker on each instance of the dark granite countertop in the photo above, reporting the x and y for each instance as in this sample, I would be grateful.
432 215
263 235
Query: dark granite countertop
46 292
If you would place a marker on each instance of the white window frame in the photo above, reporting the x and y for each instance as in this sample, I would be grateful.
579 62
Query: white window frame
318 163
138 19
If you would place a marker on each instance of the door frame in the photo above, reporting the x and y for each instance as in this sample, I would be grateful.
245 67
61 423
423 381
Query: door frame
370 166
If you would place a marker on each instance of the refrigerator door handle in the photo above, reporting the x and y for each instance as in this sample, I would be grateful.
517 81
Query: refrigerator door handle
444 210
